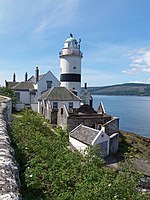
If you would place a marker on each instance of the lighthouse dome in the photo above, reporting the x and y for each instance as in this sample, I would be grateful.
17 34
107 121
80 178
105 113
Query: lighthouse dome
71 42
70 39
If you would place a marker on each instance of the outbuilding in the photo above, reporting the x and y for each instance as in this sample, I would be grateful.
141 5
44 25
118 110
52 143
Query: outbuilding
83 136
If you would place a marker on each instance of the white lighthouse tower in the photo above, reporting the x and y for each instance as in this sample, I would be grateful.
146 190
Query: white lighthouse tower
70 65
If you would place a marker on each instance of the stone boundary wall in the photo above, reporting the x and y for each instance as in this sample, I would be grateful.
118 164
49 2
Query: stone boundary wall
9 172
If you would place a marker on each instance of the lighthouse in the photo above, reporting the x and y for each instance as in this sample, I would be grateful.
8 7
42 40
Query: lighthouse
70 65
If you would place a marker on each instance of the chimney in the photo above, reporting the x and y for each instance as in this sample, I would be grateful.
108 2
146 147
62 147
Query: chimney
14 77
26 76
37 74
85 86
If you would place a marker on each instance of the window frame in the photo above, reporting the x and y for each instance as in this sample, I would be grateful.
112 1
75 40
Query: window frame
55 105
49 84
70 104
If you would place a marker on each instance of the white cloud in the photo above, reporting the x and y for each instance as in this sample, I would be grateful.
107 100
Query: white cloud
140 61
35 16
59 14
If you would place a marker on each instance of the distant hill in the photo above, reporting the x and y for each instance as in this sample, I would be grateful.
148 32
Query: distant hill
137 89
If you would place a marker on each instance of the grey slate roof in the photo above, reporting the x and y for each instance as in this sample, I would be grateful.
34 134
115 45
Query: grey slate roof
33 79
85 109
59 94
10 84
23 86
84 134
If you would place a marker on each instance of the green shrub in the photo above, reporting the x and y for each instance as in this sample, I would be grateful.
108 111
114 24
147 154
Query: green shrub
50 170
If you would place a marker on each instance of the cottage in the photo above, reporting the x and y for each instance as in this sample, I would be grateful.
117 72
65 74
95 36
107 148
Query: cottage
51 101
83 136
25 93
28 91
86 115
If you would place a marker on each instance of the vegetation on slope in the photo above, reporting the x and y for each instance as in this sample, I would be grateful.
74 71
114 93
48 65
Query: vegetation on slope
50 170
8 93
137 89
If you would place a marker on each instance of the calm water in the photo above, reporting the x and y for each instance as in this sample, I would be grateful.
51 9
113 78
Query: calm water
133 111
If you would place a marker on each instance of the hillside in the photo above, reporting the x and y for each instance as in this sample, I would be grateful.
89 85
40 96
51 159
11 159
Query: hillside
137 89
50 170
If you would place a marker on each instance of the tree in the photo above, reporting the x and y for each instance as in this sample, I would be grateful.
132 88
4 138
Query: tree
4 91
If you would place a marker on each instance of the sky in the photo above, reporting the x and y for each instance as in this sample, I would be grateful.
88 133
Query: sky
115 38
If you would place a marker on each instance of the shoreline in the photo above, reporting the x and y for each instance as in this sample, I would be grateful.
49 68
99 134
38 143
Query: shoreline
147 139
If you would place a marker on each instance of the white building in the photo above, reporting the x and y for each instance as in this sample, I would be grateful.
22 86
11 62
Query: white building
70 65
83 136
28 91
51 101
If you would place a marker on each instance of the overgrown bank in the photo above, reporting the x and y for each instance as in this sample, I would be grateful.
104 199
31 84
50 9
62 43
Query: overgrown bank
49 170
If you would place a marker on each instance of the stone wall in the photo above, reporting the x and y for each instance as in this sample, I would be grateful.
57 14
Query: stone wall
72 120
114 143
9 173
112 126
88 120
62 117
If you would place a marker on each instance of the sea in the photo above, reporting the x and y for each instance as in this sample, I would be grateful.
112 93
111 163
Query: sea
133 112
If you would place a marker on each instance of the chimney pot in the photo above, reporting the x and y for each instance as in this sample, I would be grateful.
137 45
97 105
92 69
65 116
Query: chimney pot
26 76
14 77
37 74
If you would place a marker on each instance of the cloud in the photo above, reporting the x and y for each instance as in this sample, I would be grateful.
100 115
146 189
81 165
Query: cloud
35 16
140 61
59 14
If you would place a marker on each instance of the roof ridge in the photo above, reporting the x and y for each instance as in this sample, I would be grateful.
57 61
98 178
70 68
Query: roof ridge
73 93
45 93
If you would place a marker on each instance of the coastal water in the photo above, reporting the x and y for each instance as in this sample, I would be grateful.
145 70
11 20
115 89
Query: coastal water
133 111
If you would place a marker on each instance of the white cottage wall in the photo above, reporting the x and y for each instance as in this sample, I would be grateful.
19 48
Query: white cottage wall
24 97
42 84
100 138
78 145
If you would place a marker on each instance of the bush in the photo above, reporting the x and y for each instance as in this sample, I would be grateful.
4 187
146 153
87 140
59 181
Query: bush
49 170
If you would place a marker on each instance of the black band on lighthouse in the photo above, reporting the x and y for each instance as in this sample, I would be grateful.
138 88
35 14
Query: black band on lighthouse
70 77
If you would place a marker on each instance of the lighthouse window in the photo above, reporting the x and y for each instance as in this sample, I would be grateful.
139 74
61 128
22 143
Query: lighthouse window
74 67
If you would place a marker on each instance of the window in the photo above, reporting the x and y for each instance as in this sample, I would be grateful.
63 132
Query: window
33 93
17 94
55 105
49 84
70 104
